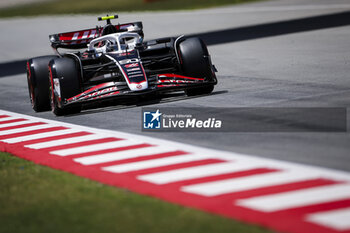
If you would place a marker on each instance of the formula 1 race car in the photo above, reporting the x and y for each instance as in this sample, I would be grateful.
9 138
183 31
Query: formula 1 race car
116 63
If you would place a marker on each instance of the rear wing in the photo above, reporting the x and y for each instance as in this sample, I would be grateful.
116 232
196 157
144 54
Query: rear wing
80 39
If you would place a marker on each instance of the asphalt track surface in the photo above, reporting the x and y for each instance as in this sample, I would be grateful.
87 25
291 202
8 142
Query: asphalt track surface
269 54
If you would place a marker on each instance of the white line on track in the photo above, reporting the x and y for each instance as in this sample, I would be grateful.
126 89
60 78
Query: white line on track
95 147
26 129
338 219
16 123
9 118
121 155
65 141
40 135
153 163
294 199
199 172
251 182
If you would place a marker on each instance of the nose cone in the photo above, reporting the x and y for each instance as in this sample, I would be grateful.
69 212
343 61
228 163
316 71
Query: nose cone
138 86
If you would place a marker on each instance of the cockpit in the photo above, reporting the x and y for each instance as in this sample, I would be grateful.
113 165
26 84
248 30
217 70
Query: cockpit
116 42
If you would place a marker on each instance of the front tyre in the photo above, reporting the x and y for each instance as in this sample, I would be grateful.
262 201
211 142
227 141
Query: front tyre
37 72
64 82
195 62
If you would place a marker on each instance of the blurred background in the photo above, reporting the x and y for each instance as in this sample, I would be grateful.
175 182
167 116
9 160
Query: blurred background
9 8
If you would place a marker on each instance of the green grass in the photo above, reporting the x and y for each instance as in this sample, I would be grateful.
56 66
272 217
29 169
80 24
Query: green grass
109 6
36 199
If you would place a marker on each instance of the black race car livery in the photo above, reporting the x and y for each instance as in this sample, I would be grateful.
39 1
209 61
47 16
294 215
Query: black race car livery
113 61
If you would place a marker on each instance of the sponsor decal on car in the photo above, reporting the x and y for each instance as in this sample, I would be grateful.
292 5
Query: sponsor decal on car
128 61
133 69
132 73
131 65
57 89
100 92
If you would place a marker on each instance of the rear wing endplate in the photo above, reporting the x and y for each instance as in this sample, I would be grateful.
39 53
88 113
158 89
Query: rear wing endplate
80 39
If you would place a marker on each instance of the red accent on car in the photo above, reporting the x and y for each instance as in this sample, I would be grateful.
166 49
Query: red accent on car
52 87
89 93
179 76
28 68
168 85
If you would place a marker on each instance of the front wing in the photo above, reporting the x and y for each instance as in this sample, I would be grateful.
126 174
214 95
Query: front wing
162 83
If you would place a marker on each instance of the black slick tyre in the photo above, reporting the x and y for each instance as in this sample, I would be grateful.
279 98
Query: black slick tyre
38 83
195 62
64 82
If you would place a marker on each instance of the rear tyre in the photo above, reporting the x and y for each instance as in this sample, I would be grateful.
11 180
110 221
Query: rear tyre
37 72
64 82
195 62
